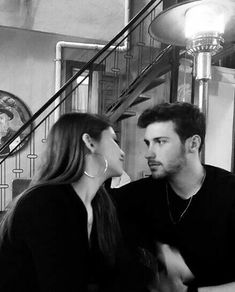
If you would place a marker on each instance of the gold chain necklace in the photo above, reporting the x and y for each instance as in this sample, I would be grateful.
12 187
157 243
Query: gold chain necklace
189 203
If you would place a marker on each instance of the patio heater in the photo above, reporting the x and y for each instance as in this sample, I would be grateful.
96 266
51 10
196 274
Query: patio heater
202 26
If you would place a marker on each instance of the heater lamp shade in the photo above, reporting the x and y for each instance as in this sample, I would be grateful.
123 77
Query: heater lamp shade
169 26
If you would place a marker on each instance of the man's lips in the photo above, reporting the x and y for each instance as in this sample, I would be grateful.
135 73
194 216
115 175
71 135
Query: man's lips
151 163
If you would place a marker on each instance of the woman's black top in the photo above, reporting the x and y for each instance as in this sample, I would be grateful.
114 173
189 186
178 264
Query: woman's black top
44 245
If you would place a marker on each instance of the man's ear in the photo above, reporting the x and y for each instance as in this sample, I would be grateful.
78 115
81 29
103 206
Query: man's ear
194 143
88 142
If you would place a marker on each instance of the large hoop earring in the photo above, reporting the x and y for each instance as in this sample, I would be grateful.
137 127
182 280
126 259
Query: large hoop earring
99 173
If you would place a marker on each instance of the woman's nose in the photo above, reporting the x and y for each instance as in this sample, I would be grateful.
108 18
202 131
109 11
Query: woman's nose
122 153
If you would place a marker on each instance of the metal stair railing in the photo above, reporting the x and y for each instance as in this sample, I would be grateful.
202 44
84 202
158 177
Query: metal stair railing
116 71
132 25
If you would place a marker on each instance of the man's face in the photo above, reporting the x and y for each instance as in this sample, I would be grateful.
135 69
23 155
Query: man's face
166 153
4 124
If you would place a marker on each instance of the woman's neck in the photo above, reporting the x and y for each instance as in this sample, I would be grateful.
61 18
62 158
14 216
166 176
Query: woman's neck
86 189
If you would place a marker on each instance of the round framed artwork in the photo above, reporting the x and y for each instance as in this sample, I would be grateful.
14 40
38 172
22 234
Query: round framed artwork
13 115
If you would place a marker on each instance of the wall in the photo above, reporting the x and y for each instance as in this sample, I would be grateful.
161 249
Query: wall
97 19
27 64
219 147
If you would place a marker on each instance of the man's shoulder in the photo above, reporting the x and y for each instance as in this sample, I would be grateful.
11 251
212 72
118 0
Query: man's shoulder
221 181
219 174
140 184
138 190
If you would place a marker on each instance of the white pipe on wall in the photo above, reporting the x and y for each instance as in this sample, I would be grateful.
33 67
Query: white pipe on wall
62 44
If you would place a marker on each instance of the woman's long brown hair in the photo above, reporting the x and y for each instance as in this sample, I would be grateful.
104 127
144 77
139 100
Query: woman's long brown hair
63 163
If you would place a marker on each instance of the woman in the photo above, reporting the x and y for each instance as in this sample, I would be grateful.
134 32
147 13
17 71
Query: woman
62 233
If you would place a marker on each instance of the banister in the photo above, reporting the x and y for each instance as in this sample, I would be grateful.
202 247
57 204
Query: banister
74 77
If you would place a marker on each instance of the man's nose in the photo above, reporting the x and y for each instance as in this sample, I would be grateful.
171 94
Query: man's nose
150 153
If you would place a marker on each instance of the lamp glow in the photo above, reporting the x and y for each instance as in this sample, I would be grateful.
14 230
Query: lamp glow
202 26
204 19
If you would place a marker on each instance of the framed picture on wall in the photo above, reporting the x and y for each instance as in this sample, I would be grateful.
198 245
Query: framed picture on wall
13 115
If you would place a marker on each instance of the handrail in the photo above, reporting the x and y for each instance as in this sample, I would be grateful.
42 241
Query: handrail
161 54
74 77
47 115
112 107
39 124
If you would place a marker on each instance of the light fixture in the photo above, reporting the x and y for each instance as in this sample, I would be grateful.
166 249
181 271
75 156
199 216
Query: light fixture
201 26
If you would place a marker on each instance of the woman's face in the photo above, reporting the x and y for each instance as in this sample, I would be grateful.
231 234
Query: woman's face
109 148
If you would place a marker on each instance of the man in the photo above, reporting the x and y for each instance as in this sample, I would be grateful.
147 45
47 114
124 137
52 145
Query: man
184 205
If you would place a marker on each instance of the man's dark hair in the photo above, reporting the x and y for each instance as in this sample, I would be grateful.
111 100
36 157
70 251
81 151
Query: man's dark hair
188 119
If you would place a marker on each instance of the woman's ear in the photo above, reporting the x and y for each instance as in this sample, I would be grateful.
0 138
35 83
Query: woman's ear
194 143
88 142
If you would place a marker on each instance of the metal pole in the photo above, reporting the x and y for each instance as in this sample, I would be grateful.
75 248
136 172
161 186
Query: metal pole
203 96
203 105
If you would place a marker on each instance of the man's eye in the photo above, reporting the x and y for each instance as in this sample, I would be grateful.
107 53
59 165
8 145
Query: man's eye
146 143
161 142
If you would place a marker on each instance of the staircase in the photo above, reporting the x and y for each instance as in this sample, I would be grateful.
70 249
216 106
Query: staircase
124 79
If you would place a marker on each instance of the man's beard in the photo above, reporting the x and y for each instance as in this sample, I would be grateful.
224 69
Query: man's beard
171 168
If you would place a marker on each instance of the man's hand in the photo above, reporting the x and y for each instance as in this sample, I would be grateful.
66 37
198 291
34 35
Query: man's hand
174 263
166 283
175 271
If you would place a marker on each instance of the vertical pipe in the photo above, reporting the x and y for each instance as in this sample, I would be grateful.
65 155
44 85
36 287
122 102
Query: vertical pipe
203 105
203 96
203 74
174 74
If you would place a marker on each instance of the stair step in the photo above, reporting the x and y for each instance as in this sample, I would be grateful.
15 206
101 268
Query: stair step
154 84
127 114
140 98
154 72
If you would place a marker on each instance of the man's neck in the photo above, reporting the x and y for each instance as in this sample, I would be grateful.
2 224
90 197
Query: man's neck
188 181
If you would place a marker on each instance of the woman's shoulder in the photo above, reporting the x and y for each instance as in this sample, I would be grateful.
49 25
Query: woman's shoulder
44 207
49 202
46 191
45 197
